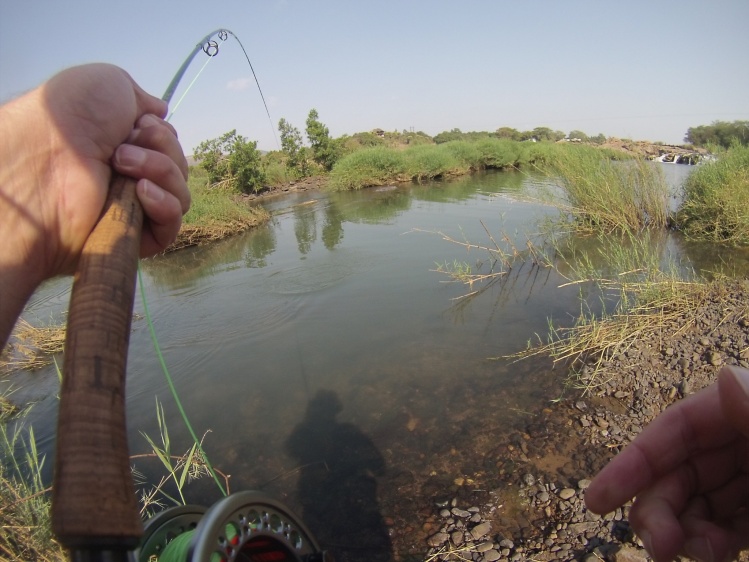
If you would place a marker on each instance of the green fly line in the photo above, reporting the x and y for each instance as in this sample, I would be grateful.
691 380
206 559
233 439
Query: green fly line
211 48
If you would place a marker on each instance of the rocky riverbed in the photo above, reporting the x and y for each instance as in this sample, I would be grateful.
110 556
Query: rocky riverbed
535 511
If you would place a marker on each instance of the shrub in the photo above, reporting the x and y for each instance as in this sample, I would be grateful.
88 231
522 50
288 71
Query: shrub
716 199
370 166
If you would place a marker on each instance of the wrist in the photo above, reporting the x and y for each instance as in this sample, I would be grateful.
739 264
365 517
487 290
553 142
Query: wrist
25 154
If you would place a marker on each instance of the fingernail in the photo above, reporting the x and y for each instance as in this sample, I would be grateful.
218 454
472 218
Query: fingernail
148 120
699 549
148 190
129 155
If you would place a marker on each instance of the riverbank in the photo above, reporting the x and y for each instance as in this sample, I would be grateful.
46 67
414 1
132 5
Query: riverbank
536 510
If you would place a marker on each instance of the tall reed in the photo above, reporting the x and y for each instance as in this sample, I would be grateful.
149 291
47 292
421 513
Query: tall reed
716 199
601 194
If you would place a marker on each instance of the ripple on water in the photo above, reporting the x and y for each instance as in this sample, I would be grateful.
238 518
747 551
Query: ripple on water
318 274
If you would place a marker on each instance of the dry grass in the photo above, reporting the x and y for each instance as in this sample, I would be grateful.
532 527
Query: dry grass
32 347
199 235
647 311
20 527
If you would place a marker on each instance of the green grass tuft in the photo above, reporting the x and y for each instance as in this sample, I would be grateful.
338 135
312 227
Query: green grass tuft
716 199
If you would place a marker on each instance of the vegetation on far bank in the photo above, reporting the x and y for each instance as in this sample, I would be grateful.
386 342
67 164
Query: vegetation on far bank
217 211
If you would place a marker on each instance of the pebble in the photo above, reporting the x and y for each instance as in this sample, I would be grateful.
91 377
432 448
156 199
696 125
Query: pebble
481 530
547 519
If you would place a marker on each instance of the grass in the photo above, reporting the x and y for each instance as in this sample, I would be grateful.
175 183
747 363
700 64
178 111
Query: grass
642 296
180 470
716 199
381 165
25 507
215 213
32 347
368 167
600 194
25 520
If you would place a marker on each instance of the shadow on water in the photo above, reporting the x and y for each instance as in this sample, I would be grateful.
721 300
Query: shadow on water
337 487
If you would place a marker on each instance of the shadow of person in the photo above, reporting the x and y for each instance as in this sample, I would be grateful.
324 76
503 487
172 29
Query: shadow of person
337 486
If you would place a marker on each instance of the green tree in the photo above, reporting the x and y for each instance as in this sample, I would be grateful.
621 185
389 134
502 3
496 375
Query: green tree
508 133
292 147
721 133
448 136
325 150
232 160
577 135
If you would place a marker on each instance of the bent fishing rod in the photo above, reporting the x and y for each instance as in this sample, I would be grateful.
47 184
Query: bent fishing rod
95 511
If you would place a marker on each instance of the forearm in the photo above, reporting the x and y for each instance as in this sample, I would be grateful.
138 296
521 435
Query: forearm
24 161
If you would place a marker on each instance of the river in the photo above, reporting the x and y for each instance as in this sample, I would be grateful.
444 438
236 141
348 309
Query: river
325 347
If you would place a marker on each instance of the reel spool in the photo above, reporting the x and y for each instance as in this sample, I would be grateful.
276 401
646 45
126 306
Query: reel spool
243 527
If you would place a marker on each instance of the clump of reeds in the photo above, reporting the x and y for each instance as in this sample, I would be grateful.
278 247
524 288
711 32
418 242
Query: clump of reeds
25 520
368 167
32 347
603 195
644 297
429 161
716 199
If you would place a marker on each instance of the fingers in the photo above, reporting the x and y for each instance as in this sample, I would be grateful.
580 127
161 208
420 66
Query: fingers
715 526
154 156
684 430
163 214
733 383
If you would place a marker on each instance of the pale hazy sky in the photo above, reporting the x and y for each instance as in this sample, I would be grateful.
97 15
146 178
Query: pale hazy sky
645 69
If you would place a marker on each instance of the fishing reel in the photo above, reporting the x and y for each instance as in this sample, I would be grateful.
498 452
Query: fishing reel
243 527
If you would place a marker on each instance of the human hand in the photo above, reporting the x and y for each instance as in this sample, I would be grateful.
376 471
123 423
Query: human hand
64 138
58 146
689 471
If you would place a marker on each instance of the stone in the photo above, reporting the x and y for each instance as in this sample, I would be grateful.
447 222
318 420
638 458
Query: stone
491 556
566 493
438 539
630 554
583 484
484 546
457 538
480 530
457 512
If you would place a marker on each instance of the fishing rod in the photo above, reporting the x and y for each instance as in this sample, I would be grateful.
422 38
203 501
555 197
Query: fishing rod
95 511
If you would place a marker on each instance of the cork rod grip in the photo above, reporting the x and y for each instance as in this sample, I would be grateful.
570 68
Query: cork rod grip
94 506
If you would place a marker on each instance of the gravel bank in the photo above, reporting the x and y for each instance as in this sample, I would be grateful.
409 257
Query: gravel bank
539 514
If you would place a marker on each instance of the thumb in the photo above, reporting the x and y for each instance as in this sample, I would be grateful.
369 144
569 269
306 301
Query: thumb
733 386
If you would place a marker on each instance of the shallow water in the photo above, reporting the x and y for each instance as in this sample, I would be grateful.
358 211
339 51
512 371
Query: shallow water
326 339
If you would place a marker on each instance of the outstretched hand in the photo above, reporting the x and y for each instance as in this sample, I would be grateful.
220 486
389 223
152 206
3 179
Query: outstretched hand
59 145
689 471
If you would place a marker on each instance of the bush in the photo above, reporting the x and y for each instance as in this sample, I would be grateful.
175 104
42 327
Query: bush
716 199
232 160
424 162
369 166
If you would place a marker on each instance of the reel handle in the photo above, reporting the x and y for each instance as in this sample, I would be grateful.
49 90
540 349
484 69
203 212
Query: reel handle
94 506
